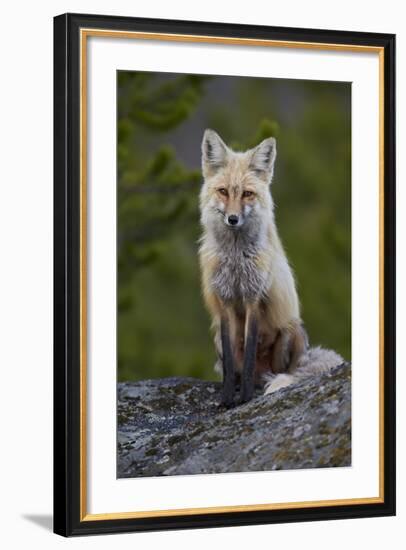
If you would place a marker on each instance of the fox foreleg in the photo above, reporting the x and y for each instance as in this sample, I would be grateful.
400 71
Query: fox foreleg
228 365
250 353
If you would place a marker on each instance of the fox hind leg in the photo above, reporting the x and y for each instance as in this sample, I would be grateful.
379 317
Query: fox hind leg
281 352
288 347
299 344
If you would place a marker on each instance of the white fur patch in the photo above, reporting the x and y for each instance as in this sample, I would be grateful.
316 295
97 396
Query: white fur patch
218 368
278 382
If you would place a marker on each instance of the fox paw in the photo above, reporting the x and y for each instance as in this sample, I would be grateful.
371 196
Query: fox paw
227 404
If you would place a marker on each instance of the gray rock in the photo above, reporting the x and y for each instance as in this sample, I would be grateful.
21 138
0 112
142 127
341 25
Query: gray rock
175 426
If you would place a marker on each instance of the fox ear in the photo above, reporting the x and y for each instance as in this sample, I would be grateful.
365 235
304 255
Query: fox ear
214 153
263 159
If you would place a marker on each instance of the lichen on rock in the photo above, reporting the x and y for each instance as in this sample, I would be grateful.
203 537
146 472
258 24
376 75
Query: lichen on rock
175 426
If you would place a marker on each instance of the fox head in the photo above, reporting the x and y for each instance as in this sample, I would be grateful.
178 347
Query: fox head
236 184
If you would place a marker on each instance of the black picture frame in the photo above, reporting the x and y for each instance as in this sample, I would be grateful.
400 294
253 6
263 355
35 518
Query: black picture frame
67 353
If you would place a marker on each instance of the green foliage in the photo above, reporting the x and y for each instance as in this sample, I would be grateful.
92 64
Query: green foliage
163 329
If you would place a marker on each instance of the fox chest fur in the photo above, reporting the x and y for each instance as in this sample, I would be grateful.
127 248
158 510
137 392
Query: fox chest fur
237 276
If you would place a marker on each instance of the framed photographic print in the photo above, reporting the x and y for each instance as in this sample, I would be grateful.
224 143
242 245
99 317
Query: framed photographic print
224 260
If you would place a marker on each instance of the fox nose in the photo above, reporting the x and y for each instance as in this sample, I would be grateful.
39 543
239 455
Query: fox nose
233 219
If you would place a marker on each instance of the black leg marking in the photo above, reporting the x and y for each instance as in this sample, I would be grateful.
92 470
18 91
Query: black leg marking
228 366
250 353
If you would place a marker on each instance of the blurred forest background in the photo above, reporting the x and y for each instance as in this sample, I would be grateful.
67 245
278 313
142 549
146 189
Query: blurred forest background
163 328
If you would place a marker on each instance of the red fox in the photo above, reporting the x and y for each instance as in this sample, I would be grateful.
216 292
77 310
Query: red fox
248 285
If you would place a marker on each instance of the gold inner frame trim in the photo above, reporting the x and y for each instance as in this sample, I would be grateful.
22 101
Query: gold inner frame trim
173 37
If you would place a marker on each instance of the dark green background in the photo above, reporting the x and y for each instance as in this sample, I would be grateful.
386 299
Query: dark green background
163 328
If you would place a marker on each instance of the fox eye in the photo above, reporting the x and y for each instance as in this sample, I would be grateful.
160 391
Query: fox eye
223 191
247 194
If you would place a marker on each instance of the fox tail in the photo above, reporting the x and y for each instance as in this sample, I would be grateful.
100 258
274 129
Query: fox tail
313 361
